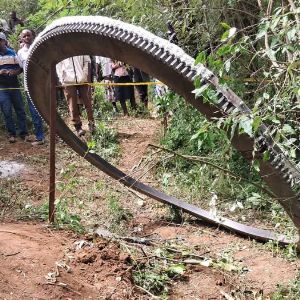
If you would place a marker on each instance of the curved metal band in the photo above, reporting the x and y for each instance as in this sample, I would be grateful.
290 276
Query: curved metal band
73 36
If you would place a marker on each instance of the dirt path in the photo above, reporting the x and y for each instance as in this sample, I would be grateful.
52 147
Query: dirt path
135 135
40 263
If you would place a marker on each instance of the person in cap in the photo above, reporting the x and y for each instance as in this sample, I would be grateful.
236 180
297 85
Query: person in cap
10 95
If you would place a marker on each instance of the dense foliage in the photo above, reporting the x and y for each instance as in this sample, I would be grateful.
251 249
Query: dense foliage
252 45
254 48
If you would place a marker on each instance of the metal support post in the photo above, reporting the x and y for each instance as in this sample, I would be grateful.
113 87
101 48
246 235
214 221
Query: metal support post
52 143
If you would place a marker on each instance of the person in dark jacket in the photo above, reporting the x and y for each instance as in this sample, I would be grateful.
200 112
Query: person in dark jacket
123 92
140 76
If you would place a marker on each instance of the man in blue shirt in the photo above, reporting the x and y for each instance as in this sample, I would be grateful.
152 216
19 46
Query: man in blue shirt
10 95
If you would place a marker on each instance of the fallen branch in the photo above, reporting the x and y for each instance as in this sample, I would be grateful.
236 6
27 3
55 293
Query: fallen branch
10 254
136 240
137 194
206 162
227 296
147 292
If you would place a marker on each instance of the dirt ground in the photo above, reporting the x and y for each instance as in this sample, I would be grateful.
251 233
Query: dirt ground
38 262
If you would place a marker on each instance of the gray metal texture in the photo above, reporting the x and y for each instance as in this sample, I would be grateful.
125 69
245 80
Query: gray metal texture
103 36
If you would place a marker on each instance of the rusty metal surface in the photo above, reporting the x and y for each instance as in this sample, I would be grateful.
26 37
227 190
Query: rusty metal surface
72 36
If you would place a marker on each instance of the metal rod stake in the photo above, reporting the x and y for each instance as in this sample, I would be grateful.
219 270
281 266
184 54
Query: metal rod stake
52 143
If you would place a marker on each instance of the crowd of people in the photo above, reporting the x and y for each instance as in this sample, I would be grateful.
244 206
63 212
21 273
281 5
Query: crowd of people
113 71
11 65
74 75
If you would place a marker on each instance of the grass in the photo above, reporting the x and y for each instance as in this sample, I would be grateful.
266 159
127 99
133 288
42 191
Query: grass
14 197
156 273
289 292
118 214
84 199
104 142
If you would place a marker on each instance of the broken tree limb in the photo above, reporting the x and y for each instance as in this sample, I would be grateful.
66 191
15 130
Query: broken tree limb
203 161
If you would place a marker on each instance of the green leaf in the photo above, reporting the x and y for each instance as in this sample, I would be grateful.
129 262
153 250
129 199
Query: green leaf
198 92
293 153
197 82
201 58
225 49
271 54
274 120
289 142
266 156
274 23
227 65
176 269
256 123
292 34
225 25
199 132
245 125
256 165
287 129
294 66
91 144
225 36
165 179
261 33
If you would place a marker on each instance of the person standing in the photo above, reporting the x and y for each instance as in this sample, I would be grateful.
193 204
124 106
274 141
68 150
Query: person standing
27 37
14 21
104 65
10 95
4 26
140 76
74 74
123 92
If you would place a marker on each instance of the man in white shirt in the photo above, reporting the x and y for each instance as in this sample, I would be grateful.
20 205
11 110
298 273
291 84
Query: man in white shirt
27 38
74 74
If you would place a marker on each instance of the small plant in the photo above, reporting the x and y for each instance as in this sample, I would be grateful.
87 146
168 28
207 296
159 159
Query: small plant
103 110
117 211
175 215
14 196
104 141
163 106
69 181
4 199
227 263
63 218
155 275
152 279
289 251
291 292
